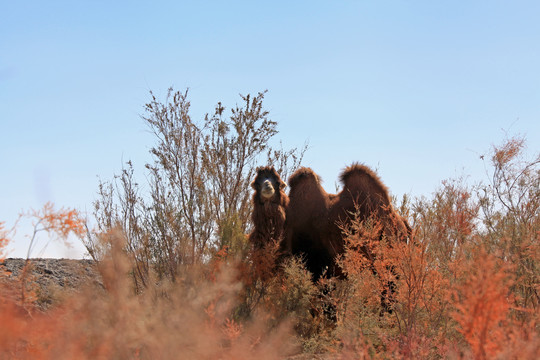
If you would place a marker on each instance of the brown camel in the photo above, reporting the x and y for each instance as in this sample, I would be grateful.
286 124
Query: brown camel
269 207
315 218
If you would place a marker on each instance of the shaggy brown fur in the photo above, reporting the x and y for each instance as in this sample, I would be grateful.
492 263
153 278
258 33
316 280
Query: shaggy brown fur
314 217
269 207
365 195
307 225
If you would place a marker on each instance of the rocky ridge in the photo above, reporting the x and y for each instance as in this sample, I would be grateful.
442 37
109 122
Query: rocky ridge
47 278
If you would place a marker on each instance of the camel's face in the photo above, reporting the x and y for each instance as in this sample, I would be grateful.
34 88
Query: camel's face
267 189
267 183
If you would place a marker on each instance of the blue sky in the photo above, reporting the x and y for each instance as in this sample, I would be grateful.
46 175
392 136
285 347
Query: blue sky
416 89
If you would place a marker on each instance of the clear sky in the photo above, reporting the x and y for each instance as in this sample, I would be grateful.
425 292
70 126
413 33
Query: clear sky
415 89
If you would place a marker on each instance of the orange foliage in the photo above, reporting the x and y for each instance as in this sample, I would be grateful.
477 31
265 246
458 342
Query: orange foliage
505 153
483 301
62 222
190 319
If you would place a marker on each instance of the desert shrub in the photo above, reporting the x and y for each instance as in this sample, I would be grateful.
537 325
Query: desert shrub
466 282
190 318
510 205
198 198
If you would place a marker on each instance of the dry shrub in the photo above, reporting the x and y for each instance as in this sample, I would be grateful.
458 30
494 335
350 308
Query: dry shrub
280 291
482 309
196 199
262 263
464 286
384 310
59 224
510 205
191 319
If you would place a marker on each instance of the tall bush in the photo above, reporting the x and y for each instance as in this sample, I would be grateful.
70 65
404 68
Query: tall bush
197 198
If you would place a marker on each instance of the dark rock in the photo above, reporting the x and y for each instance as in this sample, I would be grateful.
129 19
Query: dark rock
50 275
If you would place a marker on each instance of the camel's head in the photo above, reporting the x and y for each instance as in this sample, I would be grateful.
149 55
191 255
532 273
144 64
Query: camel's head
267 183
